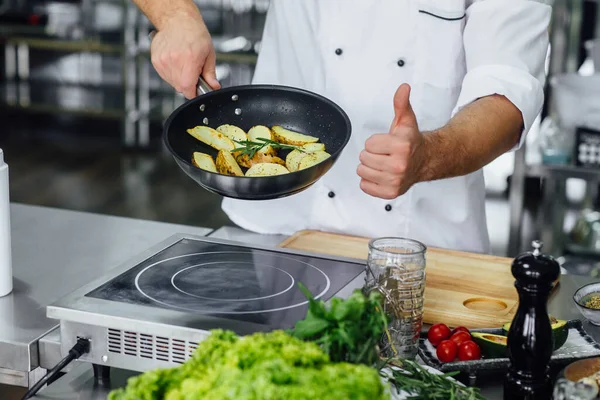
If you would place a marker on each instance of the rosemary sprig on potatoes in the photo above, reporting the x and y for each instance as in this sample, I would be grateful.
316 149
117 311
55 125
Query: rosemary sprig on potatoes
257 150
252 147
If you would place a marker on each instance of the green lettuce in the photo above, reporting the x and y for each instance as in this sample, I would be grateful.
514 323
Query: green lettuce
262 366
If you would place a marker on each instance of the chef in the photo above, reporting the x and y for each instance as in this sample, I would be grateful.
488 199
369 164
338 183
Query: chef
435 90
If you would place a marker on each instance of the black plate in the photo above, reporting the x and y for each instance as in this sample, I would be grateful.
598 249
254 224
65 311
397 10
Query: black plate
590 349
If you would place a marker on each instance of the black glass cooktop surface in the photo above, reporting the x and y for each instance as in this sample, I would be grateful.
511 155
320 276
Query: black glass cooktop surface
229 281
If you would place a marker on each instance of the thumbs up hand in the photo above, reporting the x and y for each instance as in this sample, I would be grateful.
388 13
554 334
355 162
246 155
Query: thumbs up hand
390 162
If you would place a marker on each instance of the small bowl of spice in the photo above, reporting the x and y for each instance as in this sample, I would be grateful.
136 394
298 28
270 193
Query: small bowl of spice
587 299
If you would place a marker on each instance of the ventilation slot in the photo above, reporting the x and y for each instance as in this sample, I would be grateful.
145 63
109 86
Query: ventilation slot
130 343
178 350
114 341
192 346
146 346
162 348
150 347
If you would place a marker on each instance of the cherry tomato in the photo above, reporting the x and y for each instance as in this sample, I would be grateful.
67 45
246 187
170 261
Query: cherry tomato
447 351
460 329
460 337
469 350
437 333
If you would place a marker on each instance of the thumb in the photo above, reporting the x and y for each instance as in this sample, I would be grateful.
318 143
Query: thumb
404 115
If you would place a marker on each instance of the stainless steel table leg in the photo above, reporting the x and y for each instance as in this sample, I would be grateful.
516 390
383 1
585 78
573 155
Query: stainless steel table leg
545 215
10 61
129 74
144 102
516 202
10 73
23 75
23 61
143 65
558 216
552 215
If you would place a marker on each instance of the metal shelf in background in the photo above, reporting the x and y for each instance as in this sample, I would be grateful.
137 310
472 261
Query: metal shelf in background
86 45
140 104
581 251
565 41
568 171
228 58
564 171
99 46
553 206
97 102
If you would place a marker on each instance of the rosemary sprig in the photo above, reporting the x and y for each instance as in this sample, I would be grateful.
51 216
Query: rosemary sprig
250 147
423 385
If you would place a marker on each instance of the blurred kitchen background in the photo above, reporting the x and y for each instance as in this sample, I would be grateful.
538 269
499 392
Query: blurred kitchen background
81 111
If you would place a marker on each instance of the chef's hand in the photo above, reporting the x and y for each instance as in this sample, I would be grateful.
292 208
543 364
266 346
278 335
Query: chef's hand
182 50
390 162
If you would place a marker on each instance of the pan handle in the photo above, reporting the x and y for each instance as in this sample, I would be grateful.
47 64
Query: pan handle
201 87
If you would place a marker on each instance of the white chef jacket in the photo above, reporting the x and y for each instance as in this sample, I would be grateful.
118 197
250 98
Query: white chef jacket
357 53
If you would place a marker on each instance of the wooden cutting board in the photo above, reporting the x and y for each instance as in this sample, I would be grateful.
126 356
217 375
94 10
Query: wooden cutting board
473 290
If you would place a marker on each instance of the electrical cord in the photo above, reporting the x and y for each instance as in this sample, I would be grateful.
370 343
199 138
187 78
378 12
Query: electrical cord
81 347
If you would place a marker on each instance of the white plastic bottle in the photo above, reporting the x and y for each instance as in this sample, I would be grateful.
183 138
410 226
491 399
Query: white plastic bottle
6 282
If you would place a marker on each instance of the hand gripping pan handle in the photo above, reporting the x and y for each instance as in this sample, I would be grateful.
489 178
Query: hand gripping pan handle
201 87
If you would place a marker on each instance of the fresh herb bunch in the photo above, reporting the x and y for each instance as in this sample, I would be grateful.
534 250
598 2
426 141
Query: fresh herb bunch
250 147
349 331
423 385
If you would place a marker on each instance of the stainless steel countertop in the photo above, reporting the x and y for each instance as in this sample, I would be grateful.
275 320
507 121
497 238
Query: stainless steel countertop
55 252
79 383
240 235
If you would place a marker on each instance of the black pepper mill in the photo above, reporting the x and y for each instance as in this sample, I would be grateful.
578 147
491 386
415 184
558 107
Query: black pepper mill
530 340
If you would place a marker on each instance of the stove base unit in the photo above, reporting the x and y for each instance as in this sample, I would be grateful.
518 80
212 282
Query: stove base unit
152 311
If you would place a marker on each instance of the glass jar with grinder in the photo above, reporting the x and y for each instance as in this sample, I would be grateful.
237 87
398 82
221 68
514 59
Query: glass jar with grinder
396 269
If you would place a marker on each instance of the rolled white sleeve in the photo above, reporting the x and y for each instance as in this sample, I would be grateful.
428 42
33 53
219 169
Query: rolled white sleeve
506 43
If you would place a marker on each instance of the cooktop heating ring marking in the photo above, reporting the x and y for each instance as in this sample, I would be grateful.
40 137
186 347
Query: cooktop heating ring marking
137 284
232 262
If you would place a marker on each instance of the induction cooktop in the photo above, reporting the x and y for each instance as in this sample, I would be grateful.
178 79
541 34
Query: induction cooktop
229 281
154 309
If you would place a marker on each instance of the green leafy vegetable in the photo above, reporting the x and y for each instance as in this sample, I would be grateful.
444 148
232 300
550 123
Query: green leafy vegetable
351 329
262 366
250 147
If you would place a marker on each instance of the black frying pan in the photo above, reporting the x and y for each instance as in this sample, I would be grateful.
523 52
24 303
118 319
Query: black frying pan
245 107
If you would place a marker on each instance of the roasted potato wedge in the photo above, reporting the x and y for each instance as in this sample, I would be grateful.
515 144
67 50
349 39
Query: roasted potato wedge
227 165
204 161
266 169
292 161
212 137
312 147
313 159
285 136
245 161
261 131
233 132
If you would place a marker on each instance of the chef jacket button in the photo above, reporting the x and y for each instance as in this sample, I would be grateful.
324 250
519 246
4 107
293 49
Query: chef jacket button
401 63
388 207
331 195
338 52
